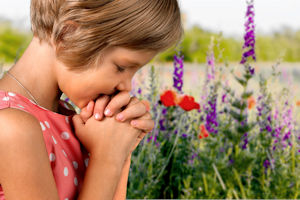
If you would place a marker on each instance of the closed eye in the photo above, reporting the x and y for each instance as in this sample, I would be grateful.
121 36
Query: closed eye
120 69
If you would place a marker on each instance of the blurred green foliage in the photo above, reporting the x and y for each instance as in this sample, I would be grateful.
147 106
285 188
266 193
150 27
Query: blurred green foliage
13 43
285 43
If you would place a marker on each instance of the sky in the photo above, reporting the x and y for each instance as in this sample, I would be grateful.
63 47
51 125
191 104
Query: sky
225 16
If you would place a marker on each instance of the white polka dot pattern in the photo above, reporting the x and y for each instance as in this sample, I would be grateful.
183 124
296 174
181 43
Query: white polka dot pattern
65 135
75 164
11 94
64 153
67 120
5 99
43 127
75 181
52 157
47 124
21 106
66 171
54 140
86 162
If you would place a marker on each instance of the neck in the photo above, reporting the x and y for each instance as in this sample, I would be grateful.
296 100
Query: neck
36 71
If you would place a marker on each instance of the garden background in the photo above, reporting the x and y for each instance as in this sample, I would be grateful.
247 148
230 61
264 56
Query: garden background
225 103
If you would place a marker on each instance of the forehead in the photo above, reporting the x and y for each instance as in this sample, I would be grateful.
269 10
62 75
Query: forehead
130 56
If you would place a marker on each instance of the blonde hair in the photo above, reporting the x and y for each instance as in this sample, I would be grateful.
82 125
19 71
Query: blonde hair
82 29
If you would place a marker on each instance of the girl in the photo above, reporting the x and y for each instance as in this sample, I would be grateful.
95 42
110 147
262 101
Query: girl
88 50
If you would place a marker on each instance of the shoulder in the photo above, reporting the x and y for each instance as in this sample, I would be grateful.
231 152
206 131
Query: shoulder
19 130
16 124
24 165
20 133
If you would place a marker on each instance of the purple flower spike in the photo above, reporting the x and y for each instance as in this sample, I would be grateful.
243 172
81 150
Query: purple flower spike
267 164
178 72
249 45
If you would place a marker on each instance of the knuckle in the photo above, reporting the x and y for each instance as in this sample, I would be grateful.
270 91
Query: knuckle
148 115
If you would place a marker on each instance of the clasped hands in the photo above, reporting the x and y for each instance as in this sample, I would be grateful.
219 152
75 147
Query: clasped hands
135 113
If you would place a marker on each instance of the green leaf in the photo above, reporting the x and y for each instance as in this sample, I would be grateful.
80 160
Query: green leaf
241 81
240 105
246 95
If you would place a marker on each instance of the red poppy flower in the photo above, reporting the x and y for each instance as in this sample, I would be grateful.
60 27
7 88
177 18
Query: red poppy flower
203 132
168 98
188 103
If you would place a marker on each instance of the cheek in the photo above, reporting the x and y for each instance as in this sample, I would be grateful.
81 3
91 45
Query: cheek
76 92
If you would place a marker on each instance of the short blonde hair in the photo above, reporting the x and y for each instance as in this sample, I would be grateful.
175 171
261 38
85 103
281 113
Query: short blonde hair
81 29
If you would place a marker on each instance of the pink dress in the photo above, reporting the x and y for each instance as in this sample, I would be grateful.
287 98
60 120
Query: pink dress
67 156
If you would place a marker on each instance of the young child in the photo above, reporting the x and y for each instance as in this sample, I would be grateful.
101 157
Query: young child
88 50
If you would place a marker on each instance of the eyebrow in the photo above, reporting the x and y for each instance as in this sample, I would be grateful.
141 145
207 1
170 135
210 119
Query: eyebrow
132 63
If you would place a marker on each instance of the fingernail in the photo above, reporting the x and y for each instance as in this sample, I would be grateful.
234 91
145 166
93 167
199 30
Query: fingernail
120 117
89 107
133 123
97 116
107 112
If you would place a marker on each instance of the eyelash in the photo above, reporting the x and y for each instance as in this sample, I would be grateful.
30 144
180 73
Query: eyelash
120 69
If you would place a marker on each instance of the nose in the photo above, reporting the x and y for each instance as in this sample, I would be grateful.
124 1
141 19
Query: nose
125 85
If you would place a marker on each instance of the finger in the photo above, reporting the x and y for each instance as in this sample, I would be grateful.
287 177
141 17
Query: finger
99 107
145 125
77 122
135 111
87 111
116 103
142 135
147 104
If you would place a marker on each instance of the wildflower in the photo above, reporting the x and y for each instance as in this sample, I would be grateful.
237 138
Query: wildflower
224 98
139 91
188 103
161 125
178 72
184 135
211 64
246 141
203 132
298 103
267 163
249 45
251 102
168 98
211 115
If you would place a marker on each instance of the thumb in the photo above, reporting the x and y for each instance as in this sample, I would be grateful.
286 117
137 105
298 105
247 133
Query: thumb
87 111
77 122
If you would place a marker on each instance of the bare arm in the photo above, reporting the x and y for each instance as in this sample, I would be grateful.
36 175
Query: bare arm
100 175
122 185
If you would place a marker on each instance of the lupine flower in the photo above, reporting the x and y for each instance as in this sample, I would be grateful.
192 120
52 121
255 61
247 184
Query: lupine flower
211 122
188 103
162 120
168 98
224 98
245 141
178 72
249 37
211 66
251 102
203 132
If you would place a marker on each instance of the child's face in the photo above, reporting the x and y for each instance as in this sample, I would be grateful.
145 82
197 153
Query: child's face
81 87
